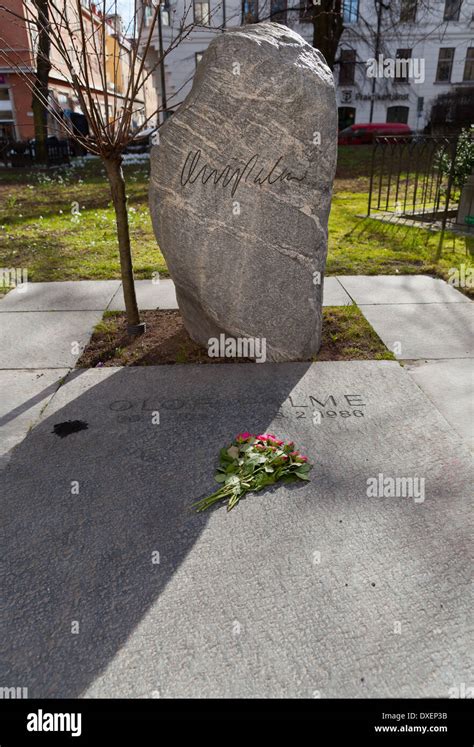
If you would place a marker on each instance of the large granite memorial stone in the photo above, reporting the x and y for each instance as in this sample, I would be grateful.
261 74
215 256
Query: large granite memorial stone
241 187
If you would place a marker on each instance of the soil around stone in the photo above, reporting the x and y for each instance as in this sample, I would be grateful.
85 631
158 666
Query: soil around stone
346 336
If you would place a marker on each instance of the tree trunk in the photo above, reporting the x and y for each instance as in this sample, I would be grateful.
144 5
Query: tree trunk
40 89
328 26
113 167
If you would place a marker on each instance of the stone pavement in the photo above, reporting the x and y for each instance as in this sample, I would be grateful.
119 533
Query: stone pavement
115 588
424 320
44 329
317 589
421 319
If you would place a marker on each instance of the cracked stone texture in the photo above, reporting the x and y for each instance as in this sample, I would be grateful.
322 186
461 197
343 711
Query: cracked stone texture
242 253
300 589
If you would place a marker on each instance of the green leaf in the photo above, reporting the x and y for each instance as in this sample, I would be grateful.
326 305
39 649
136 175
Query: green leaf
305 467
219 477
232 480
302 475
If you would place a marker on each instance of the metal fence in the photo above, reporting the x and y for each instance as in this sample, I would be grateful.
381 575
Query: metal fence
414 179
415 182
22 153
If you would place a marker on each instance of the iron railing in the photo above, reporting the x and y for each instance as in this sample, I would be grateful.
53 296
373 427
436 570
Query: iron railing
413 179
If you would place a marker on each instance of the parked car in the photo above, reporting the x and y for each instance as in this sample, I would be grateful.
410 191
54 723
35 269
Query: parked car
363 134
142 142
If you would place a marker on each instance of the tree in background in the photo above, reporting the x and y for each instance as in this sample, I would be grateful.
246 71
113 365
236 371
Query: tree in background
41 81
88 54
328 26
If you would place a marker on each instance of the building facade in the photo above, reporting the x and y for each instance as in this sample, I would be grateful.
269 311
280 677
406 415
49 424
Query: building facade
18 48
421 48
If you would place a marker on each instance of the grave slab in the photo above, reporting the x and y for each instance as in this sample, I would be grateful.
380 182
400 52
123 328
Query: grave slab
44 339
441 330
395 289
334 294
449 384
316 588
24 395
161 295
70 295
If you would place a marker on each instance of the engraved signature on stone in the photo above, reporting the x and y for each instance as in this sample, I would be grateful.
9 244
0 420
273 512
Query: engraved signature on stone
192 171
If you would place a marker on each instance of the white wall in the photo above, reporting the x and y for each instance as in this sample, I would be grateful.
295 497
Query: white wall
425 37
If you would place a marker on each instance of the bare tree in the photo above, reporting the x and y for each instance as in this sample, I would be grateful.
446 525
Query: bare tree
85 50
328 26
41 81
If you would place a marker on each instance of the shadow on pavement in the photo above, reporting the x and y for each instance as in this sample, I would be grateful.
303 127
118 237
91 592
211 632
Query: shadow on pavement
87 517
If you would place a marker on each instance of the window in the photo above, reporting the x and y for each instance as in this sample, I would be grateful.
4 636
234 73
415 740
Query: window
452 8
408 11
469 65
398 114
198 57
346 117
250 11
350 11
149 10
402 65
347 67
278 11
6 114
445 65
7 131
201 13
165 13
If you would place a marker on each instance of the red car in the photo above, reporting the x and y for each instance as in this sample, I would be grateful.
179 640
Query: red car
364 134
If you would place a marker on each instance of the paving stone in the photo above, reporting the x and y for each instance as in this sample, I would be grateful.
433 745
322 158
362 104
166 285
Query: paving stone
150 295
24 395
301 589
442 330
395 289
334 294
163 295
450 386
70 295
44 339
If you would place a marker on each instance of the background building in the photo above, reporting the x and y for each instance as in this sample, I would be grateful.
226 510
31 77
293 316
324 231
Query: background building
18 45
437 33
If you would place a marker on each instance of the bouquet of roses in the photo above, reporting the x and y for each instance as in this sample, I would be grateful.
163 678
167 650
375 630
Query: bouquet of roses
250 464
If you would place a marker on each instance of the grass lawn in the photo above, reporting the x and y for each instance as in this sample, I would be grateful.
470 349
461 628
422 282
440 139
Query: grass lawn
60 226
347 335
